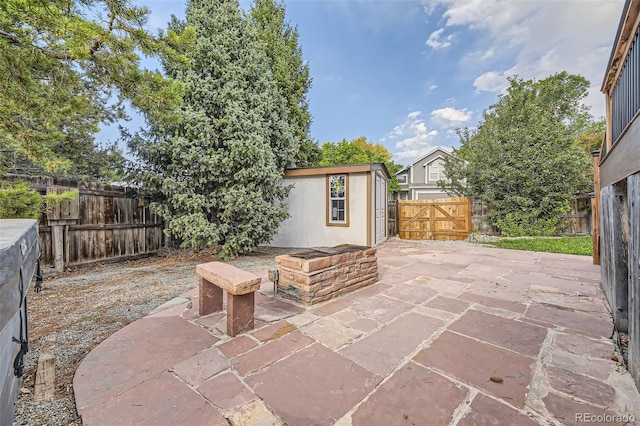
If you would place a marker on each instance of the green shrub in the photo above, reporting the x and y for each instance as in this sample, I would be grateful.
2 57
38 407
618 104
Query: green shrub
18 200
567 245
521 224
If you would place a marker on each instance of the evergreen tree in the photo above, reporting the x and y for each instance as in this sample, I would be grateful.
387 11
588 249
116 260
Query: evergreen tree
63 66
216 169
290 72
523 161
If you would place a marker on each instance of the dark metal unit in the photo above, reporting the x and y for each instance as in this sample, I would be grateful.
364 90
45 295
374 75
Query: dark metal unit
19 252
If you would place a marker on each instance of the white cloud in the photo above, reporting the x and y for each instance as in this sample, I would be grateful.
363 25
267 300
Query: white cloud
433 87
412 138
490 82
539 38
451 117
436 41
488 54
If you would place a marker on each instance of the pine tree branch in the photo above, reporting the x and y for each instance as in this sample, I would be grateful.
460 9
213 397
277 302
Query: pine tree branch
12 38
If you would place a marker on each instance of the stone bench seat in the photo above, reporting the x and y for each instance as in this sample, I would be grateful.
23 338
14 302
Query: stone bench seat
216 277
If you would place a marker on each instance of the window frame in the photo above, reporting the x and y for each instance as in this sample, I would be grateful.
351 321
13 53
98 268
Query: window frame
330 199
441 174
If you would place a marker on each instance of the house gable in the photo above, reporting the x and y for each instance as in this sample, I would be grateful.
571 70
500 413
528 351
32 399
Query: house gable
417 184
417 170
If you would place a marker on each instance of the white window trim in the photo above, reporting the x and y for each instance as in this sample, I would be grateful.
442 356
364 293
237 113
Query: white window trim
330 221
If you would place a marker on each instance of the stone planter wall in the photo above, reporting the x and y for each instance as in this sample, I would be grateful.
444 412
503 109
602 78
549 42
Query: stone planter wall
332 273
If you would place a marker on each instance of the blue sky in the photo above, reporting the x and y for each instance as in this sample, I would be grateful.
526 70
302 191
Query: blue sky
407 73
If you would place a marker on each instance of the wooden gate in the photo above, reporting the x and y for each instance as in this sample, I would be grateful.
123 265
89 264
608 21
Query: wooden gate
443 219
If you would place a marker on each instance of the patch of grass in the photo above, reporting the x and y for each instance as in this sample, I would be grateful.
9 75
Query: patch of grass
566 245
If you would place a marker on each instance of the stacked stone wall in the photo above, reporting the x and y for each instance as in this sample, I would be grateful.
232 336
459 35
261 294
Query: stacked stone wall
311 281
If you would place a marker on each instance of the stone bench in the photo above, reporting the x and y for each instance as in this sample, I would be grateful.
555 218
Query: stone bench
240 287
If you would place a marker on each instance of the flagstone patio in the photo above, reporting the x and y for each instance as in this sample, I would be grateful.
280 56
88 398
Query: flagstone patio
449 335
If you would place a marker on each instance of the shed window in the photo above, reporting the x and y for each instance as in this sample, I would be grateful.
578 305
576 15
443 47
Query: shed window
338 205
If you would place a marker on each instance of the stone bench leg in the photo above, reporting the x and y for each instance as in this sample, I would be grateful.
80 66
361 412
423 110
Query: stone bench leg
210 298
240 309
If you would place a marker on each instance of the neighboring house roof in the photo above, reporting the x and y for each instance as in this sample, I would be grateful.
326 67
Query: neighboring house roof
444 149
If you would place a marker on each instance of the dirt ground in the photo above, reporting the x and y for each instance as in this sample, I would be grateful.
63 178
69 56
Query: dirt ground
78 309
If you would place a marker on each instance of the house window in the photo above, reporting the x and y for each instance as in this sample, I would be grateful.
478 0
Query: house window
402 179
338 196
436 171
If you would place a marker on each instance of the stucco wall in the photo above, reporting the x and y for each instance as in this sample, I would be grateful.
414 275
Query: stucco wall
308 209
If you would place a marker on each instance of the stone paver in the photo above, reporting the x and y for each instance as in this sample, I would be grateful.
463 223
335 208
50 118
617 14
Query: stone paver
406 399
274 331
488 411
581 321
254 414
237 345
331 333
570 412
585 346
477 363
318 395
450 334
597 368
446 287
226 391
579 386
448 304
492 302
200 367
134 354
381 308
159 400
411 294
270 352
563 285
567 301
384 349
507 333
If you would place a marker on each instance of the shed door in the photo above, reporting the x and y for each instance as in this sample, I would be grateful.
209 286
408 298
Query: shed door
381 203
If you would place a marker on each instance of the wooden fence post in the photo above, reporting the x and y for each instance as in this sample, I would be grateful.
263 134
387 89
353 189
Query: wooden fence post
57 233
595 208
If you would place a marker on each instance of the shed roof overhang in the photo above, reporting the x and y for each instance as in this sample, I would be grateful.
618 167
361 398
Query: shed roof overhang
337 169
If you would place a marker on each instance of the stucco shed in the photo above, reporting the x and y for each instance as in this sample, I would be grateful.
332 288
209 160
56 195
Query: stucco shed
332 205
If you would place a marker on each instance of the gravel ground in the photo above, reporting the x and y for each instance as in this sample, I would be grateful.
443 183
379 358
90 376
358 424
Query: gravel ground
77 310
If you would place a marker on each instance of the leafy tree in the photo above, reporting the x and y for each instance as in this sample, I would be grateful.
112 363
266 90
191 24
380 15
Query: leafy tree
290 72
215 169
523 160
591 137
360 150
66 66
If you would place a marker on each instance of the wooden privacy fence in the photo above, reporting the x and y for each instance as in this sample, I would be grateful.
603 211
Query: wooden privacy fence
105 222
444 219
